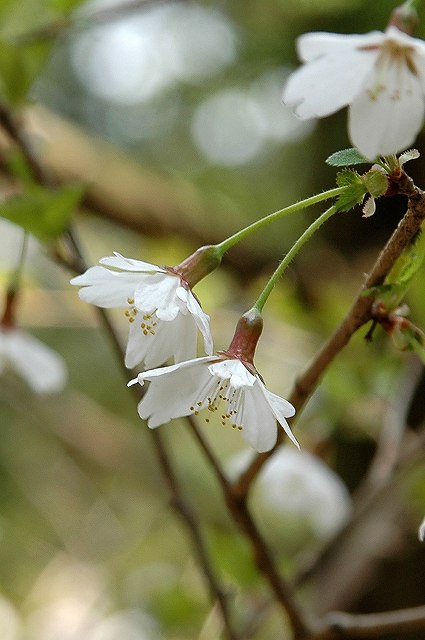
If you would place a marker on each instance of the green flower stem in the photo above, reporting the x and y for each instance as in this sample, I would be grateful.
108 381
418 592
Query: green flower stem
225 245
291 255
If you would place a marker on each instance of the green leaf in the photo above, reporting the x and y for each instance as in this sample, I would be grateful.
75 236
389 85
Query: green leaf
41 212
19 66
346 157
27 34
354 195
21 17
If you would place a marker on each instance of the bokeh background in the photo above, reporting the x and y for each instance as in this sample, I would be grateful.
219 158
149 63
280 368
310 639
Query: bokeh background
170 113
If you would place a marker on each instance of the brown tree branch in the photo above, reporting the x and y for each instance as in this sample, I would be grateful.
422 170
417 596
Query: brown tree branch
358 315
372 625
263 558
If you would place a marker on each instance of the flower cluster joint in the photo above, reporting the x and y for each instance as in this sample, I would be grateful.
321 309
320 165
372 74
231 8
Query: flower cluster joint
226 382
163 313
379 75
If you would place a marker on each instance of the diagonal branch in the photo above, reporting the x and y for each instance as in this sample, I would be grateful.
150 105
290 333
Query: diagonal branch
372 625
263 558
357 316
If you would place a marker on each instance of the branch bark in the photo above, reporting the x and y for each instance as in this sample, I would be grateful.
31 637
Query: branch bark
358 315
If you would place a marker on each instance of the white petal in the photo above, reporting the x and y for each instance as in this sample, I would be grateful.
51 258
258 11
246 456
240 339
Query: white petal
331 80
234 371
185 342
163 371
317 44
403 39
281 409
42 368
158 294
129 264
176 339
257 420
201 319
106 288
369 207
174 391
386 121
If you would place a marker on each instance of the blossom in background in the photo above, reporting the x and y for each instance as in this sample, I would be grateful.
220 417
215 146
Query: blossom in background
299 484
421 531
43 369
226 382
380 76
163 313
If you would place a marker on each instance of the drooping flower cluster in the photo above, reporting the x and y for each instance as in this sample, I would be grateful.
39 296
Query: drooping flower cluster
164 317
380 76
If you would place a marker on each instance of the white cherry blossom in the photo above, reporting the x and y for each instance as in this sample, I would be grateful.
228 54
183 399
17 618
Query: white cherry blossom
380 76
218 384
158 302
41 367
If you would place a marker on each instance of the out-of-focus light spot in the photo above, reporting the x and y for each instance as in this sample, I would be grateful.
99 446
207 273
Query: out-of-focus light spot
126 625
10 623
135 123
227 128
136 58
278 121
233 127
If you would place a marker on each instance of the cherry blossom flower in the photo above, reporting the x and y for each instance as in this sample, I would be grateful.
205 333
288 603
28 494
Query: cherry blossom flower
380 76
42 368
163 313
226 382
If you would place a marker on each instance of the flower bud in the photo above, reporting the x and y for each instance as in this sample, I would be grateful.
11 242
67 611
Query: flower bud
247 333
404 18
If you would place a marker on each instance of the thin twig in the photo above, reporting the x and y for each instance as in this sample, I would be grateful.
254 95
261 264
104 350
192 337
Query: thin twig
180 504
390 439
358 315
262 555
372 625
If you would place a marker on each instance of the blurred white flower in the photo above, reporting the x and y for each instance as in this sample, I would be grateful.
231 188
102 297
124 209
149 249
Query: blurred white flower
298 484
380 76
421 532
163 313
43 369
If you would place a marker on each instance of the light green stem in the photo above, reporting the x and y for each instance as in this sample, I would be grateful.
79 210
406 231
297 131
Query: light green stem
291 255
225 245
